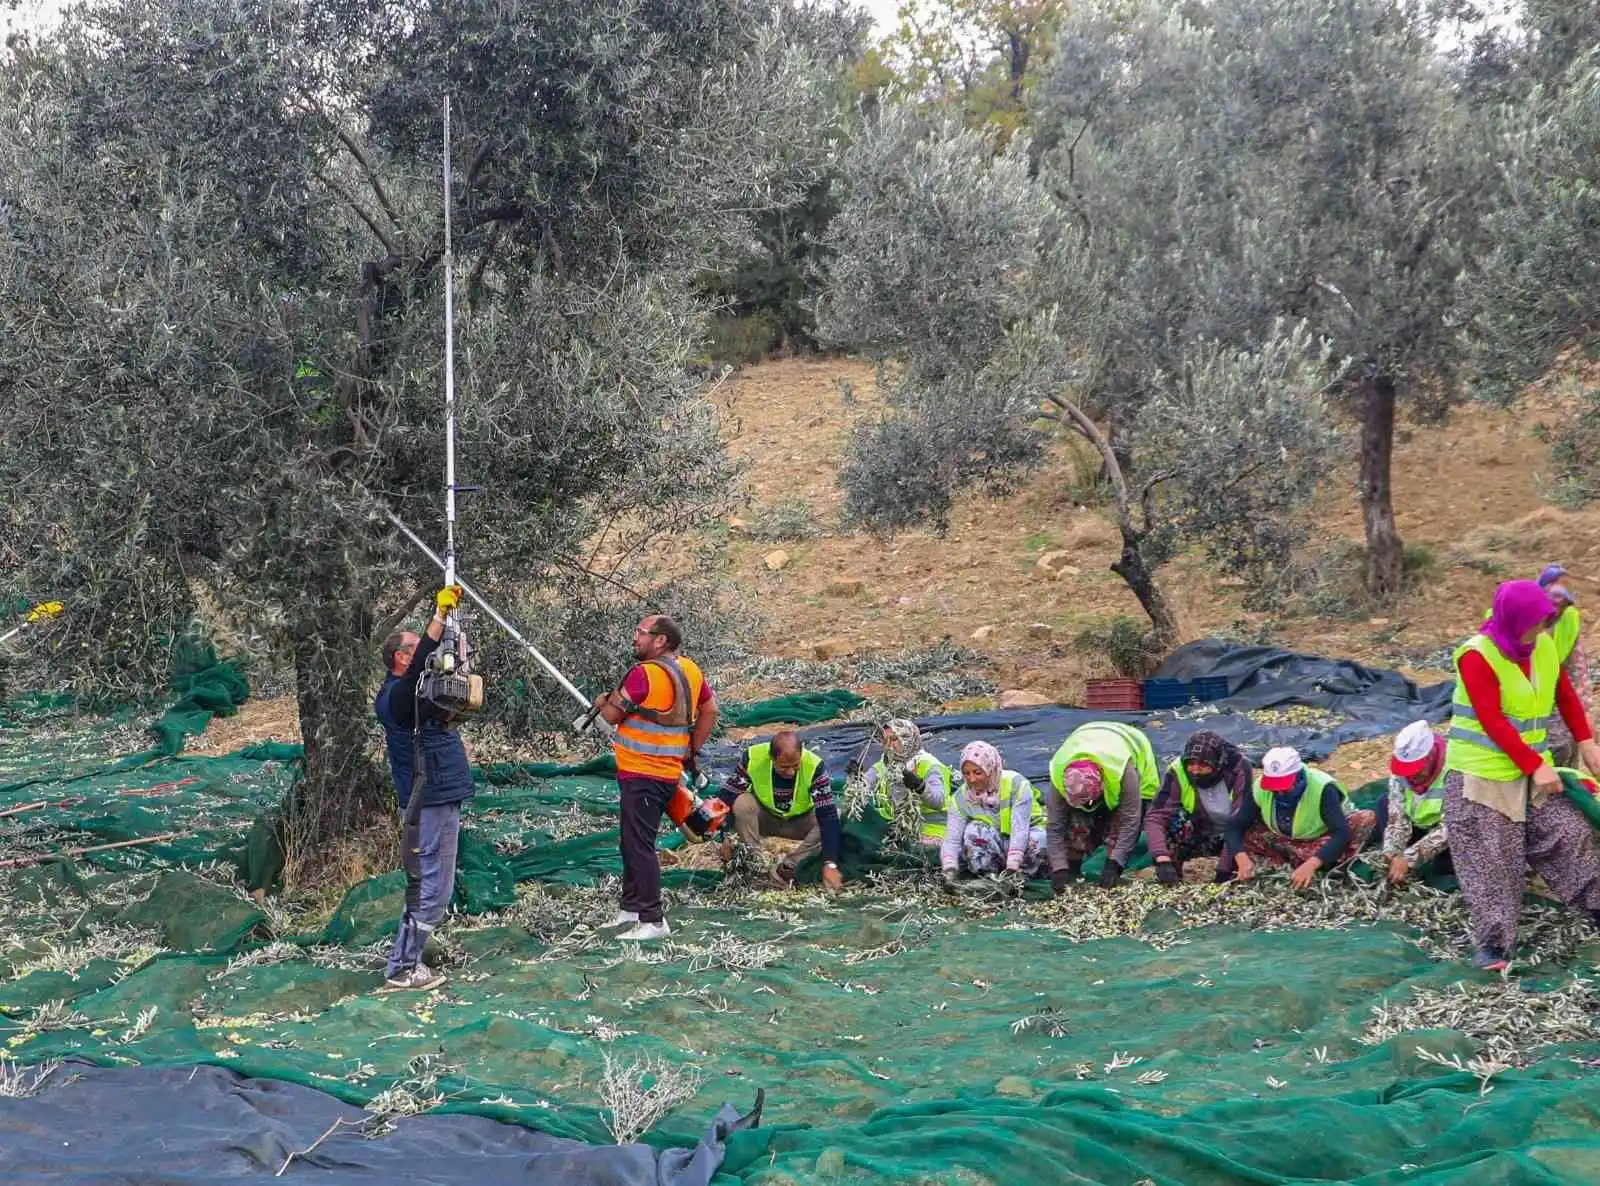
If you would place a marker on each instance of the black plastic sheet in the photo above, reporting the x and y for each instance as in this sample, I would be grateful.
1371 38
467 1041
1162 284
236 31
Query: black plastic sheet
95 1126
1364 703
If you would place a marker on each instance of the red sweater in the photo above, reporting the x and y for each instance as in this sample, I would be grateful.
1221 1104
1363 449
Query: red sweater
1483 689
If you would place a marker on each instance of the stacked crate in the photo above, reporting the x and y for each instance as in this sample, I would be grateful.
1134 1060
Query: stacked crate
1175 693
1115 695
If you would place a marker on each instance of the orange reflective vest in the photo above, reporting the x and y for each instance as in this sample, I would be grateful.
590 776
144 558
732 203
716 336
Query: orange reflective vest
653 739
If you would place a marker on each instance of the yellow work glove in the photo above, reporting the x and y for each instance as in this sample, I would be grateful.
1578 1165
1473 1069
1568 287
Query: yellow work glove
447 599
44 611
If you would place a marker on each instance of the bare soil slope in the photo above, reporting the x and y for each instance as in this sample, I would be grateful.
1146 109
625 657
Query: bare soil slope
1467 495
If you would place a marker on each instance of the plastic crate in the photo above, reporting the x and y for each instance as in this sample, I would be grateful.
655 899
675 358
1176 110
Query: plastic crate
1168 693
1121 695
1211 687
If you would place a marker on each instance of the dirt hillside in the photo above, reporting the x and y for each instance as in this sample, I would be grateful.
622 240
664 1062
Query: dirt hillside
1467 495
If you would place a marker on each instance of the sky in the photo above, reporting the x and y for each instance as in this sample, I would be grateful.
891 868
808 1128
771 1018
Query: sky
882 12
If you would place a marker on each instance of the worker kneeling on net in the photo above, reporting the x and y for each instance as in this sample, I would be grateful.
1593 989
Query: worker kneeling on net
1200 794
1412 817
782 789
994 821
1103 775
1298 816
432 779
907 771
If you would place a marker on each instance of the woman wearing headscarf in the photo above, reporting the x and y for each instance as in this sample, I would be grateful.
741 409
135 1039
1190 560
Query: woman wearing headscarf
994 821
1200 793
906 769
1503 800
1103 774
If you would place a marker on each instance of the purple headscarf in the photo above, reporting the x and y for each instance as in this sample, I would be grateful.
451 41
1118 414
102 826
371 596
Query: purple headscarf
1519 606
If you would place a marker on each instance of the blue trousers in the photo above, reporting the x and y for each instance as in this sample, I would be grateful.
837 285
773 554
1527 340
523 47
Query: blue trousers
428 850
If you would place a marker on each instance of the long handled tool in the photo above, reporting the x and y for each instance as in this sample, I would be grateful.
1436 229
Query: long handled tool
42 612
40 858
700 818
495 615
448 682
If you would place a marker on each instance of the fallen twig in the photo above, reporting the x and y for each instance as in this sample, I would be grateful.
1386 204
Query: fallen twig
306 1152
21 862
20 810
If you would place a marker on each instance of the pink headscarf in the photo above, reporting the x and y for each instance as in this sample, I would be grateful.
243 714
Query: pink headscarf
986 758
1082 784
1519 606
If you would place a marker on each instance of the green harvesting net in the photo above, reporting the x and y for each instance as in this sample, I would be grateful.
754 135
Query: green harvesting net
1205 1036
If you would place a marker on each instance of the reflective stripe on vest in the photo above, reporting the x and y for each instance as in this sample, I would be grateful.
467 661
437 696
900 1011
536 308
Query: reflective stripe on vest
1307 823
1110 745
1528 702
758 765
933 818
653 740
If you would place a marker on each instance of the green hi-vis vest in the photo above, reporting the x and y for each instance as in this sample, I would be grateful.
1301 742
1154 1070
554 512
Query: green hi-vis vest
758 765
1527 703
1307 823
933 818
1000 817
1427 809
1110 745
1565 632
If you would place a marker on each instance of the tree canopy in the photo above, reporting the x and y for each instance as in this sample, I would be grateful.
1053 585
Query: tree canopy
221 305
1206 181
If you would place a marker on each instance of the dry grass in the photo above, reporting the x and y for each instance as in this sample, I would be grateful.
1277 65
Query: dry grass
255 722
318 878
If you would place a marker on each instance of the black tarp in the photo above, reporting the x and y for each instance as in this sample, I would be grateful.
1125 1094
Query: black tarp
1266 677
1367 702
135 1126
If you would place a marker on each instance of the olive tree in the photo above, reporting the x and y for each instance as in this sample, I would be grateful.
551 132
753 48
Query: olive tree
962 274
1537 293
1241 161
221 278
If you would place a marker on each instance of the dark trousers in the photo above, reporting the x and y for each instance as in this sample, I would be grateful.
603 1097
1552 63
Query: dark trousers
643 801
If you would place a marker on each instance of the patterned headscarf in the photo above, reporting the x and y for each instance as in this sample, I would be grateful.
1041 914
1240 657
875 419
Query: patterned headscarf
1082 784
1206 749
901 739
986 758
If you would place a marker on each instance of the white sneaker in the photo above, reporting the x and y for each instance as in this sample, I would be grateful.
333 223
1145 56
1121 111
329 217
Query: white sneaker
418 979
625 918
646 931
